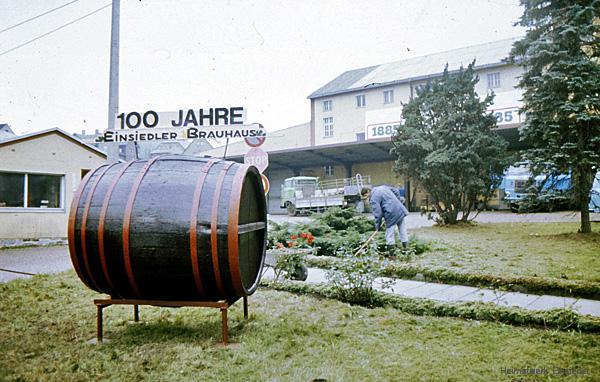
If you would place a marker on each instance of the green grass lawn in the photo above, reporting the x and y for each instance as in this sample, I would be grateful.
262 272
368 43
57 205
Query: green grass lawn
514 249
46 322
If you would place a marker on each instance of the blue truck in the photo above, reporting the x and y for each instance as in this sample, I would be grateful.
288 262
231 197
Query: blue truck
544 192
594 205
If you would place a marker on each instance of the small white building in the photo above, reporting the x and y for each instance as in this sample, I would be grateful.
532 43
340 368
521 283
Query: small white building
39 173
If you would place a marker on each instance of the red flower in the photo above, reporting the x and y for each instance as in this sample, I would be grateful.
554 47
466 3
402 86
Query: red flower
293 237
279 245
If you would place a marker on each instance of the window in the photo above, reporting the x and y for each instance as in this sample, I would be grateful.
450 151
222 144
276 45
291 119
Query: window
360 137
360 101
12 189
30 190
420 88
388 96
328 126
327 105
328 170
493 80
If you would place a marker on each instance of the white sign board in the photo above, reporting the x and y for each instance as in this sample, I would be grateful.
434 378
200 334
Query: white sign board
382 123
506 108
214 116
258 158
210 123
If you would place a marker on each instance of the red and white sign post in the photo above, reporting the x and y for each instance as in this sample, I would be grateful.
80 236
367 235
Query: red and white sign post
257 157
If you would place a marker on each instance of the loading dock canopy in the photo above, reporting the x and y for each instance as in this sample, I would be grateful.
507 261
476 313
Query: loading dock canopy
350 153
335 154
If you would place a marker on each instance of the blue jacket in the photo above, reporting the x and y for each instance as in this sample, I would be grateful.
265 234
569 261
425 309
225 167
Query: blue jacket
385 204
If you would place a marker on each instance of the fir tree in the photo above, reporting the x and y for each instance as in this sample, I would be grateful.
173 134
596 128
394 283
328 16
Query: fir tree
561 90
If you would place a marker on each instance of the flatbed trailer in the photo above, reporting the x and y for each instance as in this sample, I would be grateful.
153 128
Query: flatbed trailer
303 194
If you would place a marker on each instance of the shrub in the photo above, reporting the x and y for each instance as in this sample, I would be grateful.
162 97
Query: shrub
338 219
290 265
353 276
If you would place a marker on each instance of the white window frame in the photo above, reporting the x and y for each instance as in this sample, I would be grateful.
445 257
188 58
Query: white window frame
327 105
328 170
26 208
328 127
361 100
493 80
388 96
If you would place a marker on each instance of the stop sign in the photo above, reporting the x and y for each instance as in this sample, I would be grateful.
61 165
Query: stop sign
258 158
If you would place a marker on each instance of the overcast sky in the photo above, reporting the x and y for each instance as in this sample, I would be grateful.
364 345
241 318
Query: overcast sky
267 56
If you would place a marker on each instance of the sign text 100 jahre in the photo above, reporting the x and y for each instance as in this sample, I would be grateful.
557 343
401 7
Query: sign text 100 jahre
218 122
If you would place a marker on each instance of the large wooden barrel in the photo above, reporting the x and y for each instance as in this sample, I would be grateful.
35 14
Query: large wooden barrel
170 228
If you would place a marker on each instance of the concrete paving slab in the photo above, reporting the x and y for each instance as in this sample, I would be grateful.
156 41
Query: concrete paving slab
551 302
481 295
317 275
590 307
425 290
520 300
454 293
401 286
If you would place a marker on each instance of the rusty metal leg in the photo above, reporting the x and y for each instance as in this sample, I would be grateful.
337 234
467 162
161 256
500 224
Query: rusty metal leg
245 307
224 324
136 313
99 323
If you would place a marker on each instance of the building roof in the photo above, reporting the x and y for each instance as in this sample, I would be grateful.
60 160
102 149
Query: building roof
54 130
5 132
490 54
197 146
168 147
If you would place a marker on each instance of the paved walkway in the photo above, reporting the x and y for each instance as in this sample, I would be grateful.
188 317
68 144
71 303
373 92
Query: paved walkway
18 263
459 293
56 259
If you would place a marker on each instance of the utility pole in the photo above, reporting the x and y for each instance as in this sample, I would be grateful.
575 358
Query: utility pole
113 86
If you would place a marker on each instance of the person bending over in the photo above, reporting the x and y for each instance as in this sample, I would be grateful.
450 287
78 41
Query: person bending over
386 205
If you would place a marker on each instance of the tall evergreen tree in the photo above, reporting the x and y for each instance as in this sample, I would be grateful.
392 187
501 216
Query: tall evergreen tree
447 144
561 90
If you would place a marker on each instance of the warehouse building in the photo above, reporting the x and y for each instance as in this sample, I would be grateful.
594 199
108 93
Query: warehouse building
39 174
354 115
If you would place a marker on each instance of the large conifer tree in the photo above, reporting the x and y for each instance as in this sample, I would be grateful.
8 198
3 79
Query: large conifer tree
561 90
447 144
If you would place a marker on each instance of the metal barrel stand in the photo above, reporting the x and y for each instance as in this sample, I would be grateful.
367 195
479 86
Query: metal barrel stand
223 305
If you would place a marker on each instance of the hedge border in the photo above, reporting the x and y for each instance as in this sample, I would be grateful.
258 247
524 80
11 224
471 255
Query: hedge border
523 284
555 319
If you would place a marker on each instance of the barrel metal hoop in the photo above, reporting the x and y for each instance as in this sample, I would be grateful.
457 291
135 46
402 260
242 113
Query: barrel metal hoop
213 226
72 221
194 225
232 237
127 223
84 218
102 219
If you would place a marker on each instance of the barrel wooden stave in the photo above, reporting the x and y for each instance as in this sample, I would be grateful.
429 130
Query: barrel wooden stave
159 238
